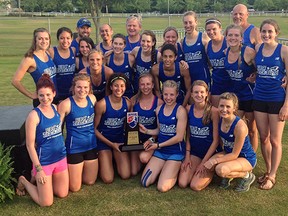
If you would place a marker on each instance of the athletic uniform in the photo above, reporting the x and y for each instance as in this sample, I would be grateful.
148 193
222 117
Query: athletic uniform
196 58
220 78
270 72
246 37
147 118
238 74
50 146
75 44
112 124
80 128
125 69
130 46
142 67
81 65
177 77
167 130
180 53
103 50
201 136
65 73
228 140
99 91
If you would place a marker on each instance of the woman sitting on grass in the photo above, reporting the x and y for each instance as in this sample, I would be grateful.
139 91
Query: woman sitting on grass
46 149
169 151
238 158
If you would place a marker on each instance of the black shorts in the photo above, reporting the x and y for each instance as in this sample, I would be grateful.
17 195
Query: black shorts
272 107
80 157
246 106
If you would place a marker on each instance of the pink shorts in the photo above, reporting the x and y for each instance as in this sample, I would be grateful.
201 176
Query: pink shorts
53 168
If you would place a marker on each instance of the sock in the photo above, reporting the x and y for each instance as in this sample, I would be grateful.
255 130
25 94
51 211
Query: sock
246 175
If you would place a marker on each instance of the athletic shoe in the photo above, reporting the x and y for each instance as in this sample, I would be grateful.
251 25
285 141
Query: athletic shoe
245 183
225 183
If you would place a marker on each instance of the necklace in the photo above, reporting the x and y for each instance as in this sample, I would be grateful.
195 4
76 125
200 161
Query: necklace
227 126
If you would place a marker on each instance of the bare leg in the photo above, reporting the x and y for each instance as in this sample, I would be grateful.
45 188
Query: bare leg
75 176
90 171
106 166
185 176
145 156
151 171
135 162
233 169
61 183
123 164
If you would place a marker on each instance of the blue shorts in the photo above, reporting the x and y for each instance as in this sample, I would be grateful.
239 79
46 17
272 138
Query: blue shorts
102 146
252 161
165 156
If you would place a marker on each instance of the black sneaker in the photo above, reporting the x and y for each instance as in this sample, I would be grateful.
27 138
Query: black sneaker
245 183
225 183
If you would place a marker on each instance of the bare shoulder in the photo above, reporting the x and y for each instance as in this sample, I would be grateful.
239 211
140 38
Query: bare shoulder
92 98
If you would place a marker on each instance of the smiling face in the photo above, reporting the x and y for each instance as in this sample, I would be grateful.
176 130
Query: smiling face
147 43
95 61
84 31
268 33
42 41
226 108
170 95
118 45
199 94
240 15
234 37
84 48
171 37
45 96
65 40
190 24
213 31
118 88
106 32
168 57
146 85
133 27
81 89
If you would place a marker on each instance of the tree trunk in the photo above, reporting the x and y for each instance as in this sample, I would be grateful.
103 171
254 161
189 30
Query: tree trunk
96 16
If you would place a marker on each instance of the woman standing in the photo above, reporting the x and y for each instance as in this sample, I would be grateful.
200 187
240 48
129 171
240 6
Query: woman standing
202 139
215 51
145 103
46 149
86 44
78 112
193 45
110 117
171 70
239 66
36 62
270 101
63 57
238 158
169 151
121 62
98 72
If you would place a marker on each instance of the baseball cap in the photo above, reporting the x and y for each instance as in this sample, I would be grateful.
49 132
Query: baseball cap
83 22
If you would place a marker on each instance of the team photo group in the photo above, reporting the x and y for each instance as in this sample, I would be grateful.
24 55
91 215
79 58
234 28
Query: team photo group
204 102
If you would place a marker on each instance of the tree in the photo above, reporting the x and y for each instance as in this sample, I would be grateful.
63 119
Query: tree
264 5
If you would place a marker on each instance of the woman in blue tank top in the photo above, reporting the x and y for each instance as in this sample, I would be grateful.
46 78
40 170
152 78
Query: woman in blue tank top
145 56
170 149
36 62
64 58
215 51
145 103
202 139
193 46
110 118
86 44
238 158
45 145
169 69
239 64
121 62
78 112
270 99
99 74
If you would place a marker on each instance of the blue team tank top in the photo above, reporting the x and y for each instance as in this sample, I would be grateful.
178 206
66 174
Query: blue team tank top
113 121
270 72
75 44
147 118
80 128
167 130
50 146
220 78
196 58
65 71
238 74
246 37
103 50
180 54
99 91
130 46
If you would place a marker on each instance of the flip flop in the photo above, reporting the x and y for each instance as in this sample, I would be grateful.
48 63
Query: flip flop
264 185
262 178
20 189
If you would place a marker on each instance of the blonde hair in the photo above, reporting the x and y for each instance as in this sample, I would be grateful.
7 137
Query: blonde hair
135 17
191 13
82 77
170 84
230 96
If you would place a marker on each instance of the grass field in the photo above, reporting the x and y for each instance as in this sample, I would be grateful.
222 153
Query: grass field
128 197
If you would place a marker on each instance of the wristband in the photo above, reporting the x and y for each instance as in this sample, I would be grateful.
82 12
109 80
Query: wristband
38 168
151 139
158 146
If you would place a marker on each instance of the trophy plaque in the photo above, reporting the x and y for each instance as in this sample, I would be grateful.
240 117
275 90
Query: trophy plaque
132 142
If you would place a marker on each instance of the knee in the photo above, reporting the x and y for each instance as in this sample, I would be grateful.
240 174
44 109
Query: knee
144 158
195 187
74 188
89 182
46 203
125 176
222 171
134 172
62 194
107 180
182 183
163 188
265 139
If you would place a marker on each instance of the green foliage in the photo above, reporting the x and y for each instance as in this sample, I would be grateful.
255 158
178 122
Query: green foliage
6 170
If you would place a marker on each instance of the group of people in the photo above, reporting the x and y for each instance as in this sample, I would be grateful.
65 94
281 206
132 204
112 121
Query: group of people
201 103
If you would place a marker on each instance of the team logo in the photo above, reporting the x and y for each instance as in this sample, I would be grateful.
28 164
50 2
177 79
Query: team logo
132 119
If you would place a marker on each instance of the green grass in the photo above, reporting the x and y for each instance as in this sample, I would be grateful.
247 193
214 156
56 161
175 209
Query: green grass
129 197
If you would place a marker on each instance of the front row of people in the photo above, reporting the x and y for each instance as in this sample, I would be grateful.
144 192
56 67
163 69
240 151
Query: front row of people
167 160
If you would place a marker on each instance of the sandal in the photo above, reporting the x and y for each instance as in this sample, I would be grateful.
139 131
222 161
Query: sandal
20 189
262 178
268 184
